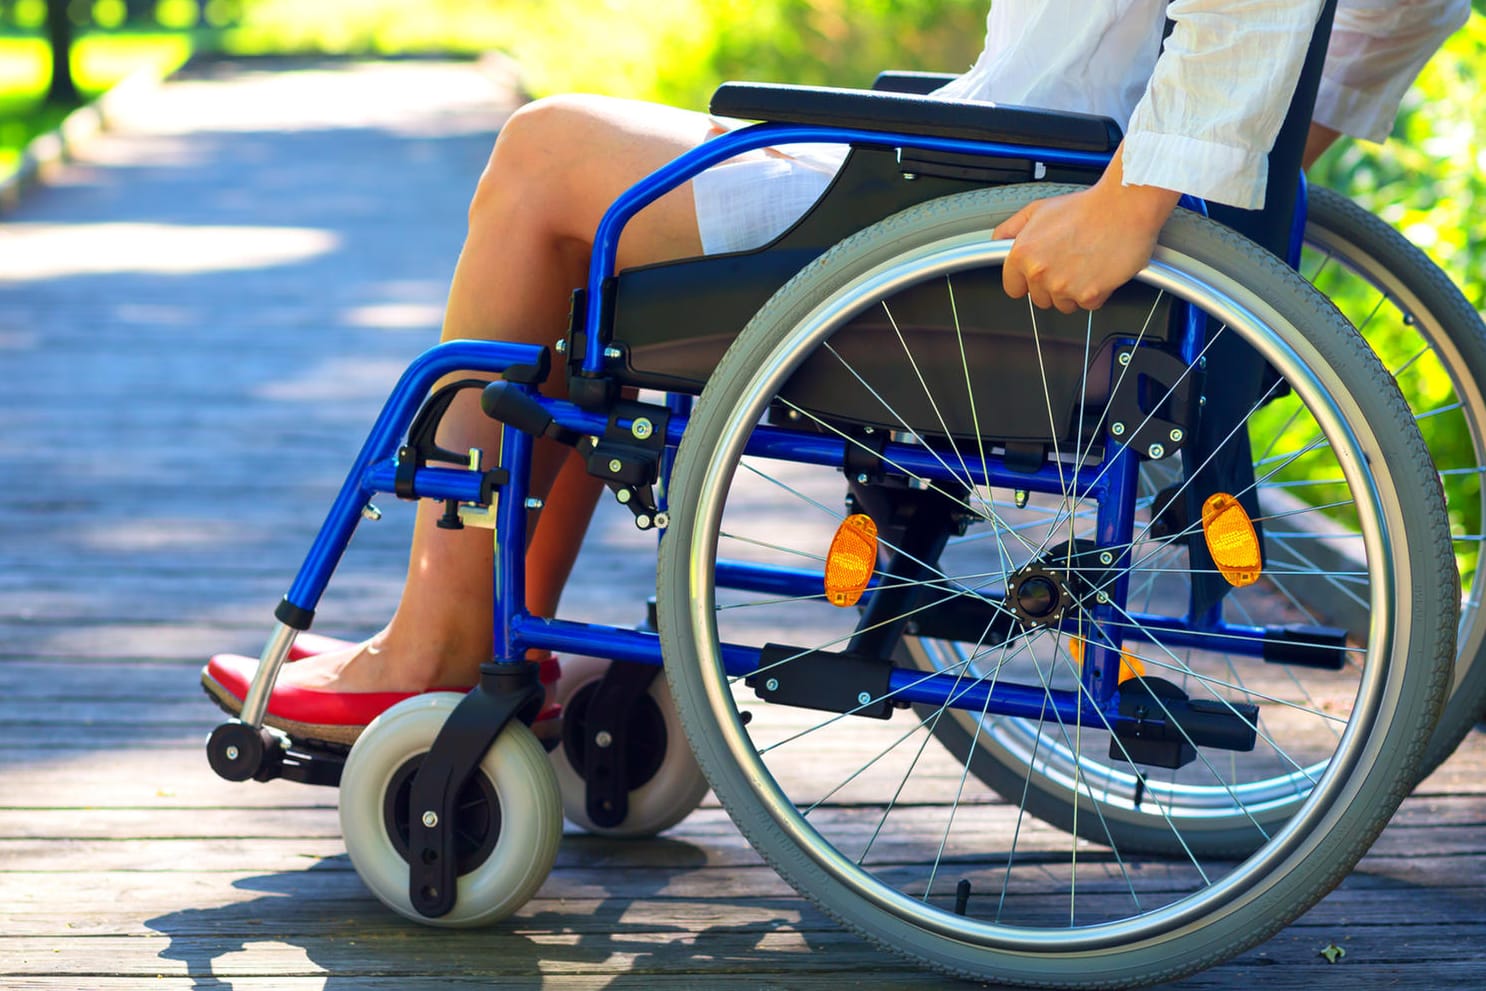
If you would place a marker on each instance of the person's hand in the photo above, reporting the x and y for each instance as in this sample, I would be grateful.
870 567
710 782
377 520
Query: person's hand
1072 251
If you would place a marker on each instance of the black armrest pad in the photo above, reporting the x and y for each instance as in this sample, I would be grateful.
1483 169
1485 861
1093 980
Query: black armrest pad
880 111
900 81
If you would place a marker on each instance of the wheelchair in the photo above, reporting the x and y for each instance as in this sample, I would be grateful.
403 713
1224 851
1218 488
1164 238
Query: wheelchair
1056 650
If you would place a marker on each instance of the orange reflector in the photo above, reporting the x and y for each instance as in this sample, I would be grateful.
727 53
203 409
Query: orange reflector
1131 666
1231 540
851 560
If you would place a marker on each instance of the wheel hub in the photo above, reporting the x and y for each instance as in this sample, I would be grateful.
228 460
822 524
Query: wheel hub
1038 596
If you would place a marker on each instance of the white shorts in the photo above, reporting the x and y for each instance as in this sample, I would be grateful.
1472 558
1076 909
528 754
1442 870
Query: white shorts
748 201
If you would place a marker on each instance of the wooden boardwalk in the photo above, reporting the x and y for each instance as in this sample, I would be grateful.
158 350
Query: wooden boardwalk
196 325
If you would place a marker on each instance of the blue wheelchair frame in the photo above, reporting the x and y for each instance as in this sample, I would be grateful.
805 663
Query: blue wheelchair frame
375 471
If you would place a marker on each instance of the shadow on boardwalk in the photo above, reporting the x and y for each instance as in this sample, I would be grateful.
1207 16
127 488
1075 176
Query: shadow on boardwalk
197 325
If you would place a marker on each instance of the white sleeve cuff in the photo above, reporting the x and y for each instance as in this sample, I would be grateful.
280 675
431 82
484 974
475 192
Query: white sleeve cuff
1216 172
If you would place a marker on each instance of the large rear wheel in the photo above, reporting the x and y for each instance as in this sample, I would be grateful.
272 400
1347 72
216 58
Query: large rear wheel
879 361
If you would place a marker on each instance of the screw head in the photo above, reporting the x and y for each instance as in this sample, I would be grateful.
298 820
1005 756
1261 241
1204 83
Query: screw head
623 495
1125 357
772 684
1118 429
561 347
1103 598
603 738
613 354
642 428
1156 451
1176 435
862 479
864 698
430 819
643 521
233 753
1106 558
534 503
615 465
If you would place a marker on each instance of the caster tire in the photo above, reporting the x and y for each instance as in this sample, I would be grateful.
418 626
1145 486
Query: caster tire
511 814
671 784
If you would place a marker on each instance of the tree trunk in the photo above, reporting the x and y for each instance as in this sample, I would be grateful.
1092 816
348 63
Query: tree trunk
59 34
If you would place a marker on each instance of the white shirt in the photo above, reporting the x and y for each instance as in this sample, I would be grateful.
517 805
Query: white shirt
1201 116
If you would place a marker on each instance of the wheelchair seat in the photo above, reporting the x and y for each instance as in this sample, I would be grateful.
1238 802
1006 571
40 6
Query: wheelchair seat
672 322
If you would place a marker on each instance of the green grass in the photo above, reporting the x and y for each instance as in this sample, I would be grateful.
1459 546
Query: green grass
98 62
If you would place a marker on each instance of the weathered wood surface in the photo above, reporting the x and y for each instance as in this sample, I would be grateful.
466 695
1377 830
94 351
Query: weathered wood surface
196 325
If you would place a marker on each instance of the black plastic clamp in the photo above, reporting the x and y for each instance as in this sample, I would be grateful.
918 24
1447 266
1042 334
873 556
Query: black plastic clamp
1154 428
830 682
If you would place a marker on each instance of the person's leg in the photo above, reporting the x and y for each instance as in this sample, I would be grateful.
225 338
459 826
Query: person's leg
1317 140
556 166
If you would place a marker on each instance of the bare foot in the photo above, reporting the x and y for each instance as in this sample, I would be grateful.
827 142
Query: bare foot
380 666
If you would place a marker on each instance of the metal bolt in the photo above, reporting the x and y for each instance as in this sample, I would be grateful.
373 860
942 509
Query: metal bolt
862 479
233 753
623 495
430 819
794 414
1156 451
1202 362
864 698
534 503
1103 598
642 428
370 512
1124 357
613 354
561 347
1176 435
772 684
1020 497
1118 429
1106 558
910 176
869 431
604 738
643 521
615 465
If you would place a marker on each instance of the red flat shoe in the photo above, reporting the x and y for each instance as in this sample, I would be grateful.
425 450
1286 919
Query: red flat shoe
306 714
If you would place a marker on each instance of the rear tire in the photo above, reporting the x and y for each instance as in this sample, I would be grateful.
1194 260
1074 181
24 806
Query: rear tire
814 792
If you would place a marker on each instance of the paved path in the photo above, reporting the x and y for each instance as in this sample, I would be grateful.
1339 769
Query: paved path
197 323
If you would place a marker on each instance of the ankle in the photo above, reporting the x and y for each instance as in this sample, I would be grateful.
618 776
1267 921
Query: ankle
425 663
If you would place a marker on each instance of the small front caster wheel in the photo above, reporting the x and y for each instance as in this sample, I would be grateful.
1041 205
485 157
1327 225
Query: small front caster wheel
666 783
510 814
239 752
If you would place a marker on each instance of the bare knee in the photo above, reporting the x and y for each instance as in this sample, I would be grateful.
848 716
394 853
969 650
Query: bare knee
533 161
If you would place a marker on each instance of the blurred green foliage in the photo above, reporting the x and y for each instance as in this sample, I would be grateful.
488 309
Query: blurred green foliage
693 45
1429 180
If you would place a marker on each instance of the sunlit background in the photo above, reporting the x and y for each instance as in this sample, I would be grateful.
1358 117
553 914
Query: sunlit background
1428 182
